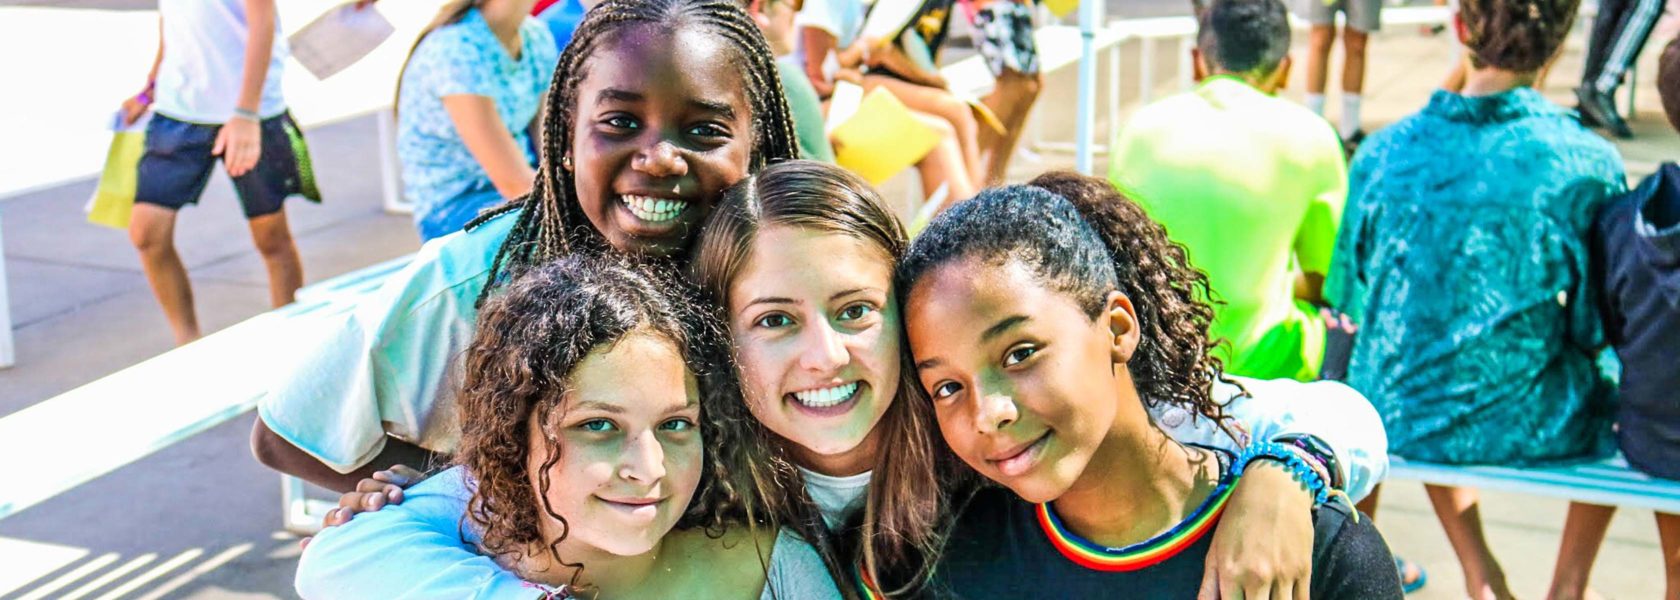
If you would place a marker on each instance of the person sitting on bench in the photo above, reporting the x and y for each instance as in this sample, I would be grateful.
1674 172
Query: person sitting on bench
1463 259
1636 250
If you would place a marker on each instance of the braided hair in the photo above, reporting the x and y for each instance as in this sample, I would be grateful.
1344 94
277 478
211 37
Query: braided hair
1078 235
1515 35
551 222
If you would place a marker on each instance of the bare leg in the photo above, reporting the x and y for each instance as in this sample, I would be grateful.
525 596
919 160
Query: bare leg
1012 100
1583 533
1319 41
1369 504
942 104
1668 533
944 164
273 239
1353 65
152 230
1457 509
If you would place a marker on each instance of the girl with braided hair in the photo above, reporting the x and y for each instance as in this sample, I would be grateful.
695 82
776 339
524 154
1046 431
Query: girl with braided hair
603 444
1053 330
1463 259
656 106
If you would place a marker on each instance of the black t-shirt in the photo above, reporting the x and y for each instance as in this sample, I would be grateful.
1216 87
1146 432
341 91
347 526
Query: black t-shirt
1003 547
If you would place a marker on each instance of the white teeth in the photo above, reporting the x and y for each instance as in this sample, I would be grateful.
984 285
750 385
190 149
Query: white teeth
828 396
654 210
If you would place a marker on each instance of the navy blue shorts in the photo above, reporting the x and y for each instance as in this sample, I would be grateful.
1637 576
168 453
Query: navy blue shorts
177 163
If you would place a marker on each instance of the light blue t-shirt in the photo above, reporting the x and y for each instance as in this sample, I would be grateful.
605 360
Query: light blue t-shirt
425 548
392 365
466 58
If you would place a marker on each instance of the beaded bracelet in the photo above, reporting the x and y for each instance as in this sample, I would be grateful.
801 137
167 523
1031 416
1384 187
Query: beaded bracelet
1291 462
1318 451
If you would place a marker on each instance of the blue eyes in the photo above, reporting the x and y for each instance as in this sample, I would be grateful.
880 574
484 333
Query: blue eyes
945 390
604 426
597 425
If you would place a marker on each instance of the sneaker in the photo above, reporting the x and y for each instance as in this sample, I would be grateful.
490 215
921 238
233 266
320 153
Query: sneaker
1350 144
1599 109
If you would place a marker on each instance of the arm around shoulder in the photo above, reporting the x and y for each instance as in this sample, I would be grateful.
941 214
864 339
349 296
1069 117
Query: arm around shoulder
409 550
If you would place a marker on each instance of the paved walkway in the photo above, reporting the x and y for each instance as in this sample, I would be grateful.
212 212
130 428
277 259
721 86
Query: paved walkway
199 519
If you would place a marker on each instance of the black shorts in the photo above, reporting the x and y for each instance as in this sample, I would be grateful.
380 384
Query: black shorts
177 163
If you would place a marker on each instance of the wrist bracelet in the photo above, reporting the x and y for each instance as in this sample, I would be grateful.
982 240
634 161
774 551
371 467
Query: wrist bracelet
145 97
1292 463
1318 451
249 115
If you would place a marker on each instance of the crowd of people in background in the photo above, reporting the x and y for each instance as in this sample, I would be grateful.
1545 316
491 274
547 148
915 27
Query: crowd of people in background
654 329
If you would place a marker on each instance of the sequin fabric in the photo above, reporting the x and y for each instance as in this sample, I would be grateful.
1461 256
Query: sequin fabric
1462 257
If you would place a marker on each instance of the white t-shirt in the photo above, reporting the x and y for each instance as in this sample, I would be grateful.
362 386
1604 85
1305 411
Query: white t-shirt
841 18
204 62
836 497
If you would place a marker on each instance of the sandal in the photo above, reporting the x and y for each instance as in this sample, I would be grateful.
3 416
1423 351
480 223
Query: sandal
1404 566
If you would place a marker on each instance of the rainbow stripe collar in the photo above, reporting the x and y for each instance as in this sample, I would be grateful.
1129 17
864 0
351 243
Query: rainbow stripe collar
1141 555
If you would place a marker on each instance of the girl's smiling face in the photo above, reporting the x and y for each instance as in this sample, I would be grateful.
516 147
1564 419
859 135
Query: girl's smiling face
813 318
1023 381
662 126
627 439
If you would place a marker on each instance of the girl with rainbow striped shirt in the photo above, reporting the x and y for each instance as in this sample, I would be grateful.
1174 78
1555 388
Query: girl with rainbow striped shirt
1044 322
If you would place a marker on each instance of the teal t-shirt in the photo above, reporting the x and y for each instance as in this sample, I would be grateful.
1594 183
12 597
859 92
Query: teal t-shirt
1253 186
807 110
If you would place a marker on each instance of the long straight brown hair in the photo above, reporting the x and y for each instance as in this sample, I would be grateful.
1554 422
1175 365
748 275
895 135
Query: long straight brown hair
907 497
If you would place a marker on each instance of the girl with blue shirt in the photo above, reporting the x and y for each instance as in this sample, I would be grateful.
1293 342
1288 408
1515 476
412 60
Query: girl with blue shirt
466 102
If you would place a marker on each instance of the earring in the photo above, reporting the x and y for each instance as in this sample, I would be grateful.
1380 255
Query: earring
566 162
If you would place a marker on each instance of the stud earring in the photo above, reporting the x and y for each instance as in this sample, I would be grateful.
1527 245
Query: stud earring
566 162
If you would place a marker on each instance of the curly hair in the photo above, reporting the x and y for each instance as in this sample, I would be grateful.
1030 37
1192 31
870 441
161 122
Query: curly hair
531 338
904 505
1515 35
552 223
1081 237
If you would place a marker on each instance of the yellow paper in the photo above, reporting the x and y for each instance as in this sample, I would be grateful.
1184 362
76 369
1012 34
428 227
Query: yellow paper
1061 8
114 199
881 138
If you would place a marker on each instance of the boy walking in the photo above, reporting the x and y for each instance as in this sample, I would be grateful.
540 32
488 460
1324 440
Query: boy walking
214 90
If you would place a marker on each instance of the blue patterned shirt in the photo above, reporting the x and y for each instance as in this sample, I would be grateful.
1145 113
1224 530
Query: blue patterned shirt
466 58
1463 259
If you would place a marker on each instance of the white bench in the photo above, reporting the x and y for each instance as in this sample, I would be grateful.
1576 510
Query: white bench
72 438
1609 482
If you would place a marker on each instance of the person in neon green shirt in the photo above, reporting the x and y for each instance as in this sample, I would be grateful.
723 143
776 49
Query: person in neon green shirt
1251 184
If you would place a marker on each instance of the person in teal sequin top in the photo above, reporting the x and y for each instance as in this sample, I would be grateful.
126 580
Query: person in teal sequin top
1462 258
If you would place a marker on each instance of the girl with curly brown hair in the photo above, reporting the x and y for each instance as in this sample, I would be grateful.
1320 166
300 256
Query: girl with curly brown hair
1046 324
602 454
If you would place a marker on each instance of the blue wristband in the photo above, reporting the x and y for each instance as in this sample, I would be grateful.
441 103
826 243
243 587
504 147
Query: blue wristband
1291 462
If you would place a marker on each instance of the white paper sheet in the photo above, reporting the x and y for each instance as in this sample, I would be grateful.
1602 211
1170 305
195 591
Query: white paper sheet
339 38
